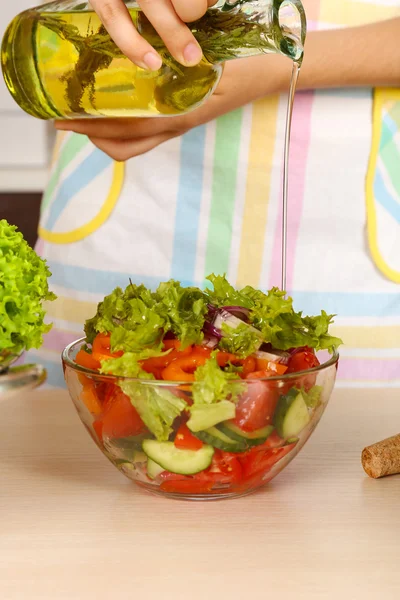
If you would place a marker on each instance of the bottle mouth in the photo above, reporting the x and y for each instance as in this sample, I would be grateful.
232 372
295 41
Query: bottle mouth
293 25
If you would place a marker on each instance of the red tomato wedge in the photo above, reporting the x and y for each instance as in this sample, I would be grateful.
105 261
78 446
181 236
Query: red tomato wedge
302 361
120 418
98 427
227 468
257 405
261 459
186 486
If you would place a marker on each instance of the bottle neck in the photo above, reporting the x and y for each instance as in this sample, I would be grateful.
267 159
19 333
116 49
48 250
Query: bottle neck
242 28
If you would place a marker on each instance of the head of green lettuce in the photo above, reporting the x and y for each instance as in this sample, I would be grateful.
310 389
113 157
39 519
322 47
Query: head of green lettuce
23 289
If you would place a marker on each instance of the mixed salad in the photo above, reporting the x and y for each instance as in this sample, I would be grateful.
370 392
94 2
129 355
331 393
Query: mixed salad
23 289
197 404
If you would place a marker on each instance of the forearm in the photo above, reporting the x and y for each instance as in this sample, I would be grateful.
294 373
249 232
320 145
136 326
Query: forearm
367 56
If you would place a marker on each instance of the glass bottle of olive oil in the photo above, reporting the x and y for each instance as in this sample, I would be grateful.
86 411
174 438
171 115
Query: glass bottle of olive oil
59 62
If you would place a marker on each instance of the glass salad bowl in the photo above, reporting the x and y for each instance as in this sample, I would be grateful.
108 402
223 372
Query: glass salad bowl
211 454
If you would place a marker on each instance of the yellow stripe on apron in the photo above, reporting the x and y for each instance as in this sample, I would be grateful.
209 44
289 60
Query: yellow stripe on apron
383 184
83 190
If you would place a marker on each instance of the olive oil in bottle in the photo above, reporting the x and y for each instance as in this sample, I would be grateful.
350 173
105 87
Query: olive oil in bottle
59 62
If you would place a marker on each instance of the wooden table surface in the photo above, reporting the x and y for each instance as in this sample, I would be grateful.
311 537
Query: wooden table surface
73 528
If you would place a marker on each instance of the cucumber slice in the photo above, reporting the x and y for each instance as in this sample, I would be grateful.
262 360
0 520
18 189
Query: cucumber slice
153 469
291 415
124 448
139 457
218 439
253 438
204 416
175 460
133 442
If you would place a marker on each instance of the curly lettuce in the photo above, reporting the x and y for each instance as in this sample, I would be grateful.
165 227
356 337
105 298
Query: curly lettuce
23 289
241 340
272 313
158 407
138 318
212 384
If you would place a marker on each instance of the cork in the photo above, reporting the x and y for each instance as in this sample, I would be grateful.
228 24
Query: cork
383 458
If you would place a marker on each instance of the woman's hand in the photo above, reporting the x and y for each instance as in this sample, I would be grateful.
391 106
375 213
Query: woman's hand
168 17
243 81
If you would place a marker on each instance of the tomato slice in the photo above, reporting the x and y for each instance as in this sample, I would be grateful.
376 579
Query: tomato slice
228 465
257 405
185 439
273 441
225 470
302 361
207 480
260 461
186 486
98 427
120 418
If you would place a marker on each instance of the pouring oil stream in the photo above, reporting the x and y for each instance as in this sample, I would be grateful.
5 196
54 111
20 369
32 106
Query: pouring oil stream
288 128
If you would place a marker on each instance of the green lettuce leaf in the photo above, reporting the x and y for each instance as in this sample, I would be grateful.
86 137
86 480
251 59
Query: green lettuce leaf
293 330
157 406
138 318
23 289
129 310
272 313
141 330
184 310
213 385
224 294
241 340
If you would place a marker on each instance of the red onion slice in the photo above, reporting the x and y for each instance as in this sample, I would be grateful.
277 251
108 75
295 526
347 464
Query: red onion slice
210 342
211 331
276 356
238 311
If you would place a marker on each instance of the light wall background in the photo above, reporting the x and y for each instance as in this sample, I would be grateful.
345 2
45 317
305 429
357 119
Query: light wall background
25 142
